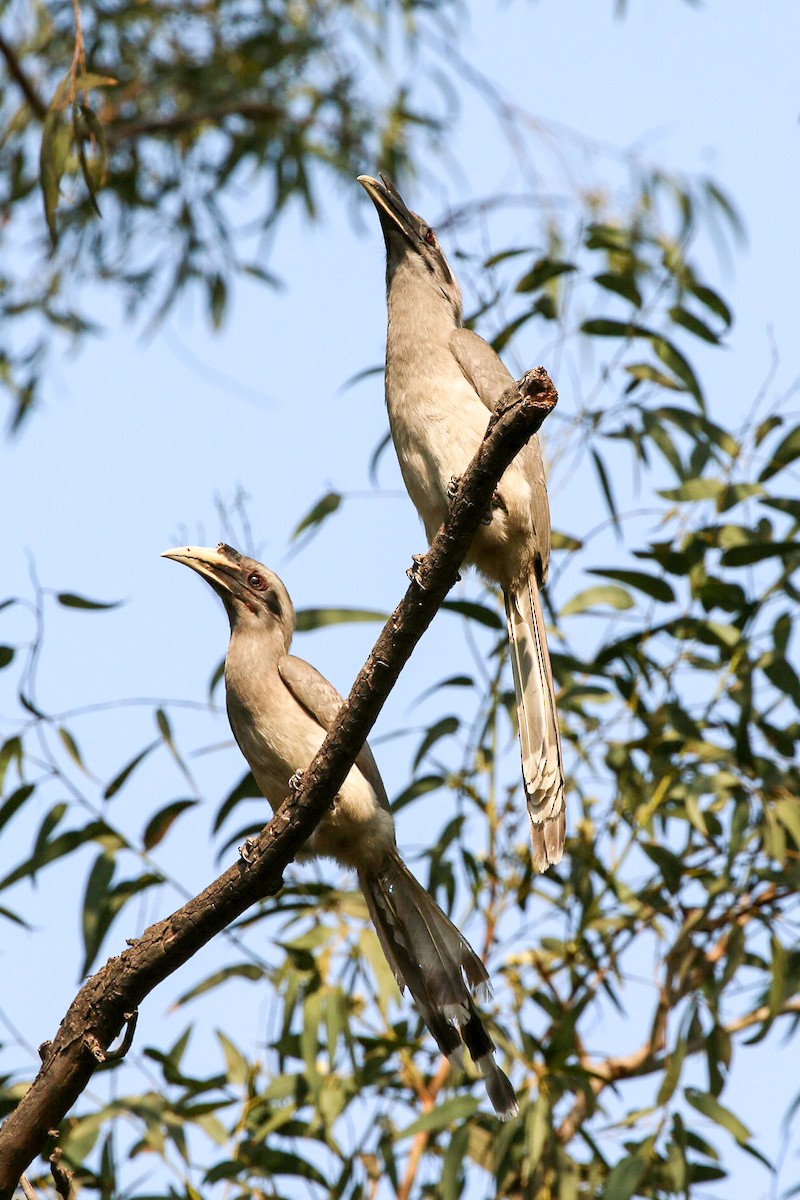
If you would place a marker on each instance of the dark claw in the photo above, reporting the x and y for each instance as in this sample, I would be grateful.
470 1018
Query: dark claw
452 487
296 781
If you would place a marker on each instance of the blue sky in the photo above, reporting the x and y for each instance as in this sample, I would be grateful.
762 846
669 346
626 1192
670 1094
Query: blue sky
139 435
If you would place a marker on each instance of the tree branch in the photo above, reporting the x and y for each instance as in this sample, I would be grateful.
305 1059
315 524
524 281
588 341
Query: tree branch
35 102
647 1061
98 1012
251 110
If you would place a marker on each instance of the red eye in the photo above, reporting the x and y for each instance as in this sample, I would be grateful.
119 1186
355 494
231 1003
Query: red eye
256 581
430 238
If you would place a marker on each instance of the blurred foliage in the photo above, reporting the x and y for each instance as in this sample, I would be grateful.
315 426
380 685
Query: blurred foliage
164 117
629 978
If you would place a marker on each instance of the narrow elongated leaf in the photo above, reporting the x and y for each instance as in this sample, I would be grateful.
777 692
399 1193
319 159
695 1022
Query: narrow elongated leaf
71 600
743 556
682 316
651 585
612 596
122 777
13 803
646 372
710 1107
446 727
671 357
605 484
786 452
543 270
623 284
56 141
608 327
71 746
694 489
624 1179
456 1109
324 507
713 301
249 971
160 824
318 618
475 612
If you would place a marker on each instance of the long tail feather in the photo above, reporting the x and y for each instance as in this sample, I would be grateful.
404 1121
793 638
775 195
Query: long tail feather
429 956
539 737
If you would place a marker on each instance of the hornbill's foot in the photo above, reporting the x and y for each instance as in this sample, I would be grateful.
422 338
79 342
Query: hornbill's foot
296 781
452 487
497 502
413 571
246 850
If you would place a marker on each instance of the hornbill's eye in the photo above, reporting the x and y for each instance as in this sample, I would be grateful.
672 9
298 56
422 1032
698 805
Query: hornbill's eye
256 581
430 237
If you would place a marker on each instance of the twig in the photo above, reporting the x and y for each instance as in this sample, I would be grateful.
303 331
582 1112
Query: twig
420 1141
255 110
35 102
99 1010
62 1177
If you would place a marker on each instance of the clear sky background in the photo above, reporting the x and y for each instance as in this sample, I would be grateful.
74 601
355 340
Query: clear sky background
141 434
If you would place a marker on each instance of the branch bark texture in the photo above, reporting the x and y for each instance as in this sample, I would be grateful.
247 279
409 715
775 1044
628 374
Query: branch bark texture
107 1000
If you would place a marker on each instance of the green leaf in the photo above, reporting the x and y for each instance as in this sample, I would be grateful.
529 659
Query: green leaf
713 301
501 339
6 655
10 751
329 503
694 489
607 327
564 541
456 1109
671 357
624 1179
710 1107
614 597
217 299
237 1067
623 284
13 803
681 316
418 787
788 813
249 971
651 585
543 270
475 612
53 154
71 746
95 918
121 779
245 789
743 556
318 618
70 600
160 824
605 485
647 373
446 727
787 451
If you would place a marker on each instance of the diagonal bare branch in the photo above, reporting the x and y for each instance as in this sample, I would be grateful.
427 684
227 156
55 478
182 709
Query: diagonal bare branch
107 1000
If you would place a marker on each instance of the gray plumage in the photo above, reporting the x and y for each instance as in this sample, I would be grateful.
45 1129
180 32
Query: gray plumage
280 709
440 381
